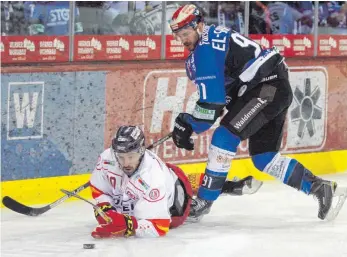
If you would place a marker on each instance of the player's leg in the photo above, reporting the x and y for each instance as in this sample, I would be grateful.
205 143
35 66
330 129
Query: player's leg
182 200
222 150
264 148
234 128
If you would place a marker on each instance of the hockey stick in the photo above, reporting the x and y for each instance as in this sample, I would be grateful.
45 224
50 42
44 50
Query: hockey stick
31 211
97 208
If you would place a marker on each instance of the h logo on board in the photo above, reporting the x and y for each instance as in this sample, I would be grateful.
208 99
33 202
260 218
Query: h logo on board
25 110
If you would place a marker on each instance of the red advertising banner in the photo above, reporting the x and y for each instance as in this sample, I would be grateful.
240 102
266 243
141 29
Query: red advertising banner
175 49
288 45
24 49
116 47
332 45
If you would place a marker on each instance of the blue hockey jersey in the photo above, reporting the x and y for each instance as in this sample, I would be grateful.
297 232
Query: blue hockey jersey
221 61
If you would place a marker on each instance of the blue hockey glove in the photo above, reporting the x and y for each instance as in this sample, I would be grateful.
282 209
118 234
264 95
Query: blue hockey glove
182 133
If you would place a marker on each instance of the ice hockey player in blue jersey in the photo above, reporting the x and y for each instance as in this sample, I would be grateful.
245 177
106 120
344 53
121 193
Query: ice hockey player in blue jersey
233 72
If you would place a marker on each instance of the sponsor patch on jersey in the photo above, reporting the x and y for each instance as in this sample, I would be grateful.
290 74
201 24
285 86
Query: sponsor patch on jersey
154 194
130 194
143 183
203 114
247 114
112 163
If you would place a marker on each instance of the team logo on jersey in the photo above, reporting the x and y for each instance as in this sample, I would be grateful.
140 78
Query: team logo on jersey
154 194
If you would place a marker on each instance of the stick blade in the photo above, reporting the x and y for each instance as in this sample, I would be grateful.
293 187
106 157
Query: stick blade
15 206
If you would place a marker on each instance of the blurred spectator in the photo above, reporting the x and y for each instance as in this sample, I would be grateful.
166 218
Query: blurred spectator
51 18
333 18
12 18
282 18
6 13
231 14
149 21
332 14
133 17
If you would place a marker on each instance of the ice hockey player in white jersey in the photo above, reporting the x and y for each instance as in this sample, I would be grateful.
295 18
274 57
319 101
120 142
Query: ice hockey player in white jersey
142 195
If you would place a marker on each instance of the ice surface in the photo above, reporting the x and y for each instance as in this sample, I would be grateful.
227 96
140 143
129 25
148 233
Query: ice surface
277 221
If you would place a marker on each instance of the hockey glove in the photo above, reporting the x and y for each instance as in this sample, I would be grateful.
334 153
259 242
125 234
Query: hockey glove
182 133
122 225
107 208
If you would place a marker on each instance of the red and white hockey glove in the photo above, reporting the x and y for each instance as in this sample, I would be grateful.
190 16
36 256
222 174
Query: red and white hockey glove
107 208
121 225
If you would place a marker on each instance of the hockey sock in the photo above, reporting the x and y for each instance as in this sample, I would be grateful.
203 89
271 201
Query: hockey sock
221 152
286 169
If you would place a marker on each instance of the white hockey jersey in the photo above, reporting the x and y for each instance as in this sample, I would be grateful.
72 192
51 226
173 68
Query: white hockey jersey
147 194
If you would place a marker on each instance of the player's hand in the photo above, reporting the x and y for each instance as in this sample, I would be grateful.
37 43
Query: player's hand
182 133
121 225
107 208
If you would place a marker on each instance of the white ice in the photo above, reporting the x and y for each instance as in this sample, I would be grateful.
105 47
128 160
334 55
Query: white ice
277 221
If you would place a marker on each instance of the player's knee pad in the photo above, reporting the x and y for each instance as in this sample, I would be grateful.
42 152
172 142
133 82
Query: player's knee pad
224 139
222 151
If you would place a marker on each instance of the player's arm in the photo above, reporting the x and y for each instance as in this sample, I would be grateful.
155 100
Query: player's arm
209 81
151 219
101 190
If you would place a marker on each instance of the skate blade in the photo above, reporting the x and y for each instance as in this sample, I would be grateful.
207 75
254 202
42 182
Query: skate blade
341 195
253 188
194 219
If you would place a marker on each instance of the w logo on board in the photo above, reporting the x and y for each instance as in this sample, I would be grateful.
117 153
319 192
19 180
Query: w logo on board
25 110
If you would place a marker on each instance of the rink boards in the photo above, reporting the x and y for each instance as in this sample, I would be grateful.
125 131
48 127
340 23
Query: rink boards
46 190
57 120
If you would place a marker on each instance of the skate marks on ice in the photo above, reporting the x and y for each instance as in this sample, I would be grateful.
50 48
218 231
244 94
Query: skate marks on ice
277 221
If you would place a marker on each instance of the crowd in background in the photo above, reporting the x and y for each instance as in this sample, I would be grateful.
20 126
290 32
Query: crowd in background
145 17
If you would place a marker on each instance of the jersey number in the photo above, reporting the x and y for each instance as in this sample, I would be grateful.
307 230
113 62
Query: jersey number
201 87
207 181
112 181
245 42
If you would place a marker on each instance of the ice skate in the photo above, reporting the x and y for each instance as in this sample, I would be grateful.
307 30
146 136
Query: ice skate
326 192
247 185
198 209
